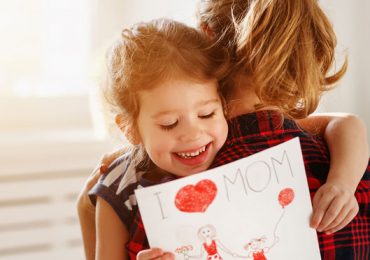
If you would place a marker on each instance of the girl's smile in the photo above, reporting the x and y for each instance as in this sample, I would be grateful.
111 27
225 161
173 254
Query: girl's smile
181 124
194 157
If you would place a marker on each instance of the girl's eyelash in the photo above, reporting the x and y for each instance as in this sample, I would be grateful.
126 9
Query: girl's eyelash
168 127
208 115
171 126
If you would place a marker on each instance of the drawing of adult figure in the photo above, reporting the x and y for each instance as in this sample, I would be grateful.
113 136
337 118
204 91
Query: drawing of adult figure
210 243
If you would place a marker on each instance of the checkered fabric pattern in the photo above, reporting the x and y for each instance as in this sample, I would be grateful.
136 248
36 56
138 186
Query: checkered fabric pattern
252 133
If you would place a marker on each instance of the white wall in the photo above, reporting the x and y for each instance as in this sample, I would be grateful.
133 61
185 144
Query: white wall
351 22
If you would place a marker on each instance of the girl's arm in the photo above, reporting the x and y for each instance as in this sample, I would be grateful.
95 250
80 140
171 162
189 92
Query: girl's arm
86 214
111 233
86 210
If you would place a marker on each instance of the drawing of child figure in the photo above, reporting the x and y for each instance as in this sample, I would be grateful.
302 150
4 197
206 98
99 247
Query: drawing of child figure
256 250
210 244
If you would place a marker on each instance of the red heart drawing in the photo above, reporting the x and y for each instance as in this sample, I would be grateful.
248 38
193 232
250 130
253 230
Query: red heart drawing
196 198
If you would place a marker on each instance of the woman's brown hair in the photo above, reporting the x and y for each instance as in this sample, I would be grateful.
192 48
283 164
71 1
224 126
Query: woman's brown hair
285 47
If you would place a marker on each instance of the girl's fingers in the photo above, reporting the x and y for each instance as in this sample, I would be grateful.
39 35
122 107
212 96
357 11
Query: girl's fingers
168 256
152 253
351 214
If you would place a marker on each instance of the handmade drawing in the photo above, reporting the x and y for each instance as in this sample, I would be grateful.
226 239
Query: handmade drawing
184 250
257 205
210 245
255 248
196 198
286 196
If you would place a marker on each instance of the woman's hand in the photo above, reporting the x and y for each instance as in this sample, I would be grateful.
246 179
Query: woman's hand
155 253
334 206
84 204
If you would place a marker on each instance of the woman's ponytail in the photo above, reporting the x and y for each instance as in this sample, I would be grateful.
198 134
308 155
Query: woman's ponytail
287 48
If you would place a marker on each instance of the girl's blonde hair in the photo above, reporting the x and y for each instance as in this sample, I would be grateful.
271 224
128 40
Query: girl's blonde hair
149 53
286 49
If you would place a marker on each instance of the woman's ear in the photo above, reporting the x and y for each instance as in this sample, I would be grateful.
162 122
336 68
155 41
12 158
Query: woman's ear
207 30
128 129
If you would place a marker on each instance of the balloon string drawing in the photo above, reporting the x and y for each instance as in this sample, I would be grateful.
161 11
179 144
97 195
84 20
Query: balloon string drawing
285 197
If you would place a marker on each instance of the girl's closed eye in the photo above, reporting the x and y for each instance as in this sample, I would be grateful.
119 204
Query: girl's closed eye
168 127
207 115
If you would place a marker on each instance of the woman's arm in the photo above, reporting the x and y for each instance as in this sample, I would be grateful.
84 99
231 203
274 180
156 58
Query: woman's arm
111 233
334 204
346 137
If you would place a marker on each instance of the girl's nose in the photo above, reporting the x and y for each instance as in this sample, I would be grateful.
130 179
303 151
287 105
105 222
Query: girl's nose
191 132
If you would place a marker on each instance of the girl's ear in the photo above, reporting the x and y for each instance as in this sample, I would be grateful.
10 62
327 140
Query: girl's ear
128 129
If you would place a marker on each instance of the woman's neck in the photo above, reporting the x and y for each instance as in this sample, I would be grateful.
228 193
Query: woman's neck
243 99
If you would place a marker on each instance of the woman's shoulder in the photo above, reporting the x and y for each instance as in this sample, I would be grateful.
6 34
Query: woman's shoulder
260 124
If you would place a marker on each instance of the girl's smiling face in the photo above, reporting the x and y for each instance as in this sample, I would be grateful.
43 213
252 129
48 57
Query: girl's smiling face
182 125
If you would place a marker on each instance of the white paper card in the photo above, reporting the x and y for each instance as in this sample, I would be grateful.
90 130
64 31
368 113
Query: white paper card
254 208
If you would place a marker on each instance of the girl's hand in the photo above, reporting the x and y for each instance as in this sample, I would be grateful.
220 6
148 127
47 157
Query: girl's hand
155 253
334 206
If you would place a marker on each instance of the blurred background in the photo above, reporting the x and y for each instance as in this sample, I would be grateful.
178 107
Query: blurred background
52 131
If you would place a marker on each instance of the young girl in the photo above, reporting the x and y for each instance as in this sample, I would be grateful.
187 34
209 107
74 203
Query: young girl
252 86
163 78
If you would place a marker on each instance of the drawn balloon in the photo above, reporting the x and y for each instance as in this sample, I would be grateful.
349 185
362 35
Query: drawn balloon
286 196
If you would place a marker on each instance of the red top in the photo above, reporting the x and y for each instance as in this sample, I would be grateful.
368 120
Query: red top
211 249
259 256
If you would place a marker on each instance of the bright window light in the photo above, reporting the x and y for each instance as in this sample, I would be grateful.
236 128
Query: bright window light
44 48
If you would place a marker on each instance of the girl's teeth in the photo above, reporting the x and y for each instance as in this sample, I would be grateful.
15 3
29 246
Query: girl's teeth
196 153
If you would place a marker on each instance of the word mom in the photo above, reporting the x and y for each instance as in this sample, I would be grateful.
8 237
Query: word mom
258 175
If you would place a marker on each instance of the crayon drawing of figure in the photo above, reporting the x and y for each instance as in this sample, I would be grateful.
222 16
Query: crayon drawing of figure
210 244
256 249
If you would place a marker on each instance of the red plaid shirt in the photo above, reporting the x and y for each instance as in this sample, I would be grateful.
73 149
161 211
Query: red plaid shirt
252 133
